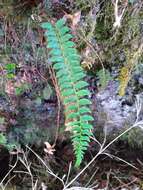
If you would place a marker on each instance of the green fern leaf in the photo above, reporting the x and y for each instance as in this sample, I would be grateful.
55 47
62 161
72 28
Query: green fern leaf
73 88
71 108
68 92
72 99
60 23
84 101
82 93
81 84
83 110
86 118
72 115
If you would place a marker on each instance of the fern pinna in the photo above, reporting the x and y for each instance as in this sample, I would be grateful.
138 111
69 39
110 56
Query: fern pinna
73 88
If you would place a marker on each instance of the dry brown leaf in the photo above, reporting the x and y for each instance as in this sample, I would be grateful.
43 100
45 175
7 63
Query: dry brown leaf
9 87
68 128
49 148
75 19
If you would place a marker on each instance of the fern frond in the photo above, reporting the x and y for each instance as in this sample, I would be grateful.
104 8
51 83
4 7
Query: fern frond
73 88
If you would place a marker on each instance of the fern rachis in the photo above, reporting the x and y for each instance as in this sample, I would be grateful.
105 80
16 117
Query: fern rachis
73 88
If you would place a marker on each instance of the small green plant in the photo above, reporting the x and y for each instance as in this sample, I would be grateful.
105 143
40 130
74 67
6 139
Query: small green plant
4 142
24 86
73 88
3 139
104 77
2 120
10 69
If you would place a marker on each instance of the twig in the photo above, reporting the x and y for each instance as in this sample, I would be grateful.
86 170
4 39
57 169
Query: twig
1 183
122 160
88 183
69 170
118 17
48 169
4 188
58 99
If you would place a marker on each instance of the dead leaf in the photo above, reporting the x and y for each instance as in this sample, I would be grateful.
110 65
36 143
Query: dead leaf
75 19
49 148
9 87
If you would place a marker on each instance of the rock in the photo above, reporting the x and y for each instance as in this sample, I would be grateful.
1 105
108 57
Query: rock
36 123
114 113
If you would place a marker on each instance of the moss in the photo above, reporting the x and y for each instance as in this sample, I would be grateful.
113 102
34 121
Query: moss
84 5
122 39
104 23
134 138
